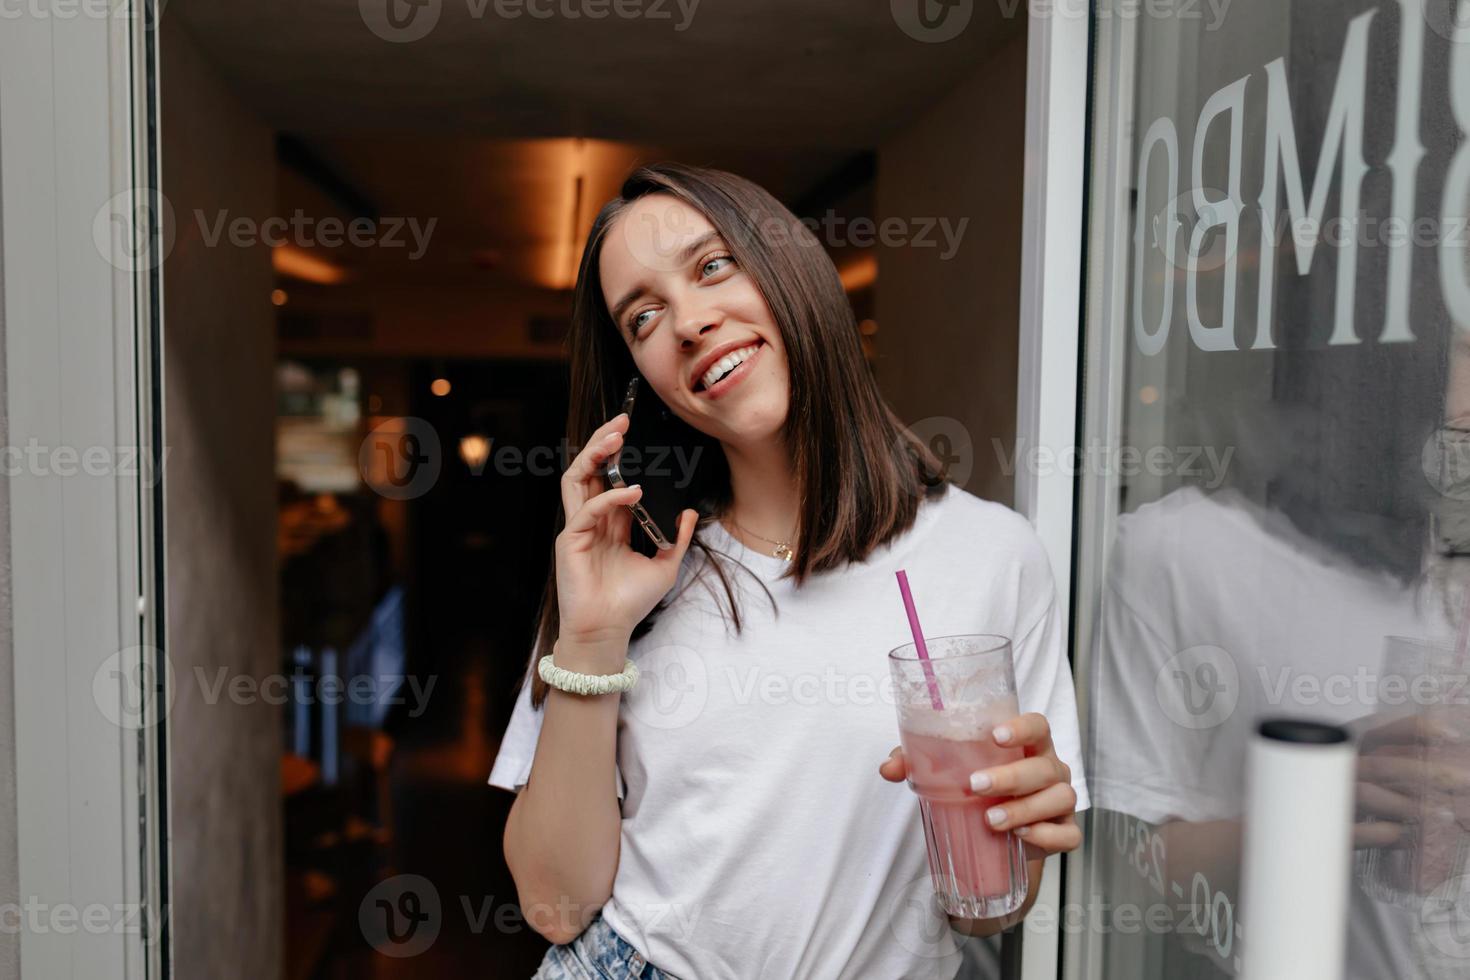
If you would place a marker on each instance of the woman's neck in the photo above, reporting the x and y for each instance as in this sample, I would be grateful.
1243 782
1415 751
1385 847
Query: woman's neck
763 486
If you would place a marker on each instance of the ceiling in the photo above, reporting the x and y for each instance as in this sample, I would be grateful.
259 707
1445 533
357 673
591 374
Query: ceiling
485 122
775 73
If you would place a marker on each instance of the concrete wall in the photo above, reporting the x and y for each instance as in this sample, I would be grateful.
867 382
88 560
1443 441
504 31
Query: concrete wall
947 340
220 525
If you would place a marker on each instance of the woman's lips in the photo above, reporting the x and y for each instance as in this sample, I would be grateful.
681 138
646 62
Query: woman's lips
735 376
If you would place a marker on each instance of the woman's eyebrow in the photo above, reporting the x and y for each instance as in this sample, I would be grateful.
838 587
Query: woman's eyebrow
685 254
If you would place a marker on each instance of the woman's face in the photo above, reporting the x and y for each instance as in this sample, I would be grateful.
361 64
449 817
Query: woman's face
682 306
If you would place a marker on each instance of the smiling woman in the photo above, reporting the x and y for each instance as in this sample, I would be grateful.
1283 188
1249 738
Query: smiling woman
687 266
667 786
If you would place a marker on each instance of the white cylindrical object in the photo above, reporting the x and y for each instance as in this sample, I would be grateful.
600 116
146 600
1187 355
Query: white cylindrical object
1298 851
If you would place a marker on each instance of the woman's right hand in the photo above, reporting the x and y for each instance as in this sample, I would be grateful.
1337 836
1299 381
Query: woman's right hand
603 587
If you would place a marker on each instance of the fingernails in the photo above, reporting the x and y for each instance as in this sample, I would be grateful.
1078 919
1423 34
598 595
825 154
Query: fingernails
1002 734
996 815
980 782
635 486
1021 831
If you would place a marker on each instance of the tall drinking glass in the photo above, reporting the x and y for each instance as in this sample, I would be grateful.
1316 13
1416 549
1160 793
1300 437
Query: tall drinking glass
1421 691
948 706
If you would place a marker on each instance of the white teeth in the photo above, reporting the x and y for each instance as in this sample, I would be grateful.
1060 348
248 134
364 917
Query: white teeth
726 364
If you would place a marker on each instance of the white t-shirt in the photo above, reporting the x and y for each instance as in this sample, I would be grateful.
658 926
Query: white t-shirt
1218 612
758 839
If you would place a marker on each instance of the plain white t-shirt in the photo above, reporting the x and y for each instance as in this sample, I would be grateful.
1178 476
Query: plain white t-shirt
758 839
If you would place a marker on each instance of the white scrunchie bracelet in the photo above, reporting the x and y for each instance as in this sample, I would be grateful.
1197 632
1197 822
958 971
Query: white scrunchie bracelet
575 683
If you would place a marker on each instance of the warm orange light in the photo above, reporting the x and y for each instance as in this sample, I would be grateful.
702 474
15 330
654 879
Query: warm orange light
1148 394
440 387
288 260
860 273
278 297
474 450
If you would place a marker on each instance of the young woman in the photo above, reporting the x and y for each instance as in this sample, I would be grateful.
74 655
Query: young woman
721 817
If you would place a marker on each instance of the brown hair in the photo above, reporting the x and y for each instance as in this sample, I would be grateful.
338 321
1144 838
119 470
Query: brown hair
861 474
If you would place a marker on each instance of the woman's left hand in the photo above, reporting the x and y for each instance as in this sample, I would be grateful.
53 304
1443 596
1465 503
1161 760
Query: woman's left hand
1035 795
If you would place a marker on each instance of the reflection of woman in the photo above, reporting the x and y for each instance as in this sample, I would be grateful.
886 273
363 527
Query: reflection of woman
721 817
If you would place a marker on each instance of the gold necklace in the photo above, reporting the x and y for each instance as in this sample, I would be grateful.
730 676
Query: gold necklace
783 549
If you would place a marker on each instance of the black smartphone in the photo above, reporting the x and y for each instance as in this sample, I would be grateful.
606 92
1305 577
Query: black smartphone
658 454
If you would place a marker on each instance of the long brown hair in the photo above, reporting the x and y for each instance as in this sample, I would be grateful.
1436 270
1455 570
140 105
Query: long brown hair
861 474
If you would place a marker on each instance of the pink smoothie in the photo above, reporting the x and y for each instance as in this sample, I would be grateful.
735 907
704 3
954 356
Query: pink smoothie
967 858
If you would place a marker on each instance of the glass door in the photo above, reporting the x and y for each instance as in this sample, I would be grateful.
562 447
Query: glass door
1274 489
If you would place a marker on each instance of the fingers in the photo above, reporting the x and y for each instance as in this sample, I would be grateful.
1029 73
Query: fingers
1057 800
1029 730
895 768
577 483
673 556
1412 775
1380 801
1377 833
593 511
1051 837
1020 778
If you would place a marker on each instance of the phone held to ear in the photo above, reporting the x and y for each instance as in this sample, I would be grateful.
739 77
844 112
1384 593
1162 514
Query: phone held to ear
654 443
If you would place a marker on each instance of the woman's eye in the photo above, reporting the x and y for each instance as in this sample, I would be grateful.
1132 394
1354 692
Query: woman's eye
639 319
715 265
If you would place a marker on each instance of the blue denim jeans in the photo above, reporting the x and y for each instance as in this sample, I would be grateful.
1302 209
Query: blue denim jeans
598 954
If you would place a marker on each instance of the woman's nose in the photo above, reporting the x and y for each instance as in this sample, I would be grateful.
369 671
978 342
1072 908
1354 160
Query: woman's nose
695 327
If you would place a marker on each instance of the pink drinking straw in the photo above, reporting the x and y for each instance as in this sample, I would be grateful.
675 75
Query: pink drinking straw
908 606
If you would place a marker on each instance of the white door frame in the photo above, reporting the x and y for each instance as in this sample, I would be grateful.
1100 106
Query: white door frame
79 348
1057 59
